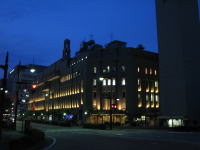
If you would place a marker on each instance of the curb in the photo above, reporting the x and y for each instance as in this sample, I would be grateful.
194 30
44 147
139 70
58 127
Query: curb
51 145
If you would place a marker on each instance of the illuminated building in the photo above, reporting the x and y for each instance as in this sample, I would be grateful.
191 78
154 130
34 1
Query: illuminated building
84 85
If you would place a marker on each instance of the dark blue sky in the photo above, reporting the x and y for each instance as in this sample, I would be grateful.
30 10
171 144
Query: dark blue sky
37 28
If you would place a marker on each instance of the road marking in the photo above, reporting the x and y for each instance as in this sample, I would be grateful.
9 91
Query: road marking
52 144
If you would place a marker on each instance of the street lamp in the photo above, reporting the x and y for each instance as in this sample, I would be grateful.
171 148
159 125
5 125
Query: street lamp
32 70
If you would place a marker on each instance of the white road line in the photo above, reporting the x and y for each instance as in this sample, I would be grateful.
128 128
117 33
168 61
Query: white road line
52 144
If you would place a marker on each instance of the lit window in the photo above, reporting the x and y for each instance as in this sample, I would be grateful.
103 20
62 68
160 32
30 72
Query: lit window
138 69
157 98
109 81
113 81
146 71
150 71
139 85
147 97
156 83
104 70
94 82
155 72
156 87
152 100
104 82
139 100
147 85
94 69
123 68
123 81
108 68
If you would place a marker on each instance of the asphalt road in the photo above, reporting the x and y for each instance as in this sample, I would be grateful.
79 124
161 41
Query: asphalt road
70 138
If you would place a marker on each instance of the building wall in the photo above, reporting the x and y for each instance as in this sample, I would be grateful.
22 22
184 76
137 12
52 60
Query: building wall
178 37
118 68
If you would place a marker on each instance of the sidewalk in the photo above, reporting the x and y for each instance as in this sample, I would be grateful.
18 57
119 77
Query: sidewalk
7 137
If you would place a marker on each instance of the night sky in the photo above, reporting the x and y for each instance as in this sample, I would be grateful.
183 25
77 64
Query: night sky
37 28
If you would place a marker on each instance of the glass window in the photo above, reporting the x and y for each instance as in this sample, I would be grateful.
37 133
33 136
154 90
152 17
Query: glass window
156 83
94 69
123 81
139 85
123 94
109 81
104 82
94 94
138 69
155 72
146 71
113 81
108 68
123 68
94 82
150 71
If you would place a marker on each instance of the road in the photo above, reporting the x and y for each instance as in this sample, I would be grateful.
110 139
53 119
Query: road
70 138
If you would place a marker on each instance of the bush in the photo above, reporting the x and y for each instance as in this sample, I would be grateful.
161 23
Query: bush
33 137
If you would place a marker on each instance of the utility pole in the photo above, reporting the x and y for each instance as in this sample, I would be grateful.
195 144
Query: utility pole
2 92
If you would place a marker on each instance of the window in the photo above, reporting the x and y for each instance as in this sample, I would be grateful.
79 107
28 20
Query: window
113 81
147 97
146 71
104 82
124 94
123 68
138 69
94 94
123 81
94 82
156 83
94 69
152 100
156 87
109 81
155 72
157 98
108 68
114 68
147 85
139 85
150 71
152 97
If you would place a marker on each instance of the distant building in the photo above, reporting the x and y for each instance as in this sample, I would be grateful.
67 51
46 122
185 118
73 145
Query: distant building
82 87
21 80
178 41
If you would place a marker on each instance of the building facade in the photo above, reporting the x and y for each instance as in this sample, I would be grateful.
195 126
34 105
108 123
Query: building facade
99 79
20 80
178 41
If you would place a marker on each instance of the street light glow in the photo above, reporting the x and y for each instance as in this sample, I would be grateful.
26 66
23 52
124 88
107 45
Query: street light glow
101 78
32 70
